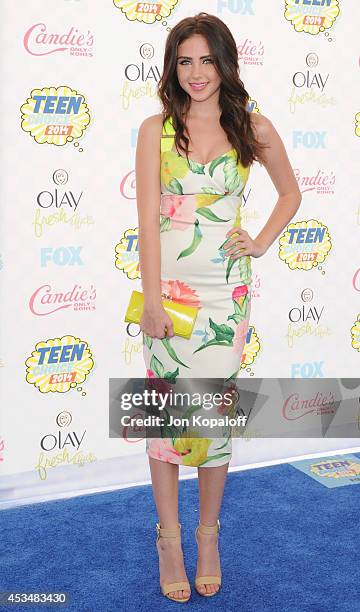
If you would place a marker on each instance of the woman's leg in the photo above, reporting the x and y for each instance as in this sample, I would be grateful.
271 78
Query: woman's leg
211 489
165 483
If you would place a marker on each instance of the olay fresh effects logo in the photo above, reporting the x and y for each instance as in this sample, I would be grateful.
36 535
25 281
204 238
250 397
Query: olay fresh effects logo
295 406
251 53
46 300
311 16
61 439
59 364
141 77
133 342
308 86
147 12
306 319
62 447
55 115
319 183
304 244
59 197
40 40
306 312
59 204
127 254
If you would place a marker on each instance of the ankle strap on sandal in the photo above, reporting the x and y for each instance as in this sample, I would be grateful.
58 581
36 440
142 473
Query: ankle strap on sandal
205 529
168 533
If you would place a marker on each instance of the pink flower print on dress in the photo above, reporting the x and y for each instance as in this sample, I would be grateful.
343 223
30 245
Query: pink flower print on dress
162 449
179 209
241 300
157 383
240 292
179 292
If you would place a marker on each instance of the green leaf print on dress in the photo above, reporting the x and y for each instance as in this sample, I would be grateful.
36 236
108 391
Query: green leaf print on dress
224 335
195 241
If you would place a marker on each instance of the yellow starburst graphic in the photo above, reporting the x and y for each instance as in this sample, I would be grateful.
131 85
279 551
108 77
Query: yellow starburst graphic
311 19
146 12
59 364
55 115
127 254
355 334
304 244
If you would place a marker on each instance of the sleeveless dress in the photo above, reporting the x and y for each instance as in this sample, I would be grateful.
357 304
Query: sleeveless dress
199 204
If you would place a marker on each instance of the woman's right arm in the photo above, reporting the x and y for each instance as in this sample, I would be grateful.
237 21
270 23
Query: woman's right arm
147 170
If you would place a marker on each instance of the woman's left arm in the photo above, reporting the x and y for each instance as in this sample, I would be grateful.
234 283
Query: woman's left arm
278 166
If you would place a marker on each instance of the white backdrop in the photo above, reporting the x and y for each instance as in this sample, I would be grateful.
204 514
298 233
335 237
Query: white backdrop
78 77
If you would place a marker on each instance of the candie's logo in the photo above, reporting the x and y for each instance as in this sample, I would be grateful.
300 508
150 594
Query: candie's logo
295 406
39 40
311 16
46 299
59 364
304 244
147 12
55 115
127 254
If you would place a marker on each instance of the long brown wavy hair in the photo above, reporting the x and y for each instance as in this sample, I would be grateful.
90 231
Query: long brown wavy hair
233 97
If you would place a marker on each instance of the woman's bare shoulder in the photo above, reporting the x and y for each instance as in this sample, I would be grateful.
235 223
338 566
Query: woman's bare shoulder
152 124
262 126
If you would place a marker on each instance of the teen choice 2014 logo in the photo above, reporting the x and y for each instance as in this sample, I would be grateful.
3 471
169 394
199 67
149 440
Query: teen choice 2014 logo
311 16
304 244
355 334
59 364
55 115
336 468
127 254
147 12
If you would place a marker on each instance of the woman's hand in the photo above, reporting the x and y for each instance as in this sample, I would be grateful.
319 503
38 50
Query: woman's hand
239 244
154 321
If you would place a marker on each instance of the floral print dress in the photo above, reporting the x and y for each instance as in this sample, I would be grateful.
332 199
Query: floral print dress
200 203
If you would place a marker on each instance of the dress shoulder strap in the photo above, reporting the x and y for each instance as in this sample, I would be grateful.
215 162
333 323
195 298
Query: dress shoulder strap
167 137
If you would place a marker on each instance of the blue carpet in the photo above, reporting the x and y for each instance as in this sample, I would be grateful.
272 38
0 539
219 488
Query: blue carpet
287 544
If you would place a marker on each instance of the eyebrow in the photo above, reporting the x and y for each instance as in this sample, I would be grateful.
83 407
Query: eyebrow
188 57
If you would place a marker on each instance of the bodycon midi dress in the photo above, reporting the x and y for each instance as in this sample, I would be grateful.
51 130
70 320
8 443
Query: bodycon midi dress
199 204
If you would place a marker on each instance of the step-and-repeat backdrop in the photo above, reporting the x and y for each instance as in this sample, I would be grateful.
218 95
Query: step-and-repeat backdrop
78 77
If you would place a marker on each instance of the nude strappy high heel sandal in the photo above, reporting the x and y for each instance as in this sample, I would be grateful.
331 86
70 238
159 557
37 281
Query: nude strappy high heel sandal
204 529
173 586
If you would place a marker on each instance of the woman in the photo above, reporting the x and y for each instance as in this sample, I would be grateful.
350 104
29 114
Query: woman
200 255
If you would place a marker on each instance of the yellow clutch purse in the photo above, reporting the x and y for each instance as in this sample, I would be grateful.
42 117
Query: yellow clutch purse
182 315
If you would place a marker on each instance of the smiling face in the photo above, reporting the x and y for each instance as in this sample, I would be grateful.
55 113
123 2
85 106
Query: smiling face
196 69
